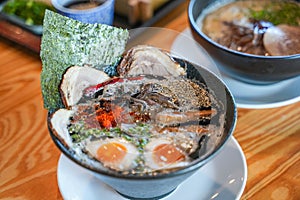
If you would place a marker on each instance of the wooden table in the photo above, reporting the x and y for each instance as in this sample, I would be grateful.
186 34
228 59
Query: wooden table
270 138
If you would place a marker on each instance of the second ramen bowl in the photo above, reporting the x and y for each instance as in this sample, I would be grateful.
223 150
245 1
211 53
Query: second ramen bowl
253 69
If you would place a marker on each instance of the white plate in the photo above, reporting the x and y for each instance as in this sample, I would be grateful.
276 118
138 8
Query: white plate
246 95
224 178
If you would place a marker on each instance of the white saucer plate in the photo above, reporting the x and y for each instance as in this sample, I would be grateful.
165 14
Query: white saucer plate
223 178
246 95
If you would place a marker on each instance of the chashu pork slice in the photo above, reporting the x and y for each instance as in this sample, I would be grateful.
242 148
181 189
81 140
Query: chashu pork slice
148 60
75 80
59 121
282 40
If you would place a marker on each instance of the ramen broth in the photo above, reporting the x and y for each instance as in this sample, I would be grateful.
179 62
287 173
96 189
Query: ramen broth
125 137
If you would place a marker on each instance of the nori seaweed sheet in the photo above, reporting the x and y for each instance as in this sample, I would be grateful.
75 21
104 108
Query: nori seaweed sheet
67 42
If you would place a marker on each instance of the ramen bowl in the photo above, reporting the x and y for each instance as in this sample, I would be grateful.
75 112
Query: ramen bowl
159 184
250 68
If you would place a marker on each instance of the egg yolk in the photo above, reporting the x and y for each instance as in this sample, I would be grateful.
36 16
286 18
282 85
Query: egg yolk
111 153
166 154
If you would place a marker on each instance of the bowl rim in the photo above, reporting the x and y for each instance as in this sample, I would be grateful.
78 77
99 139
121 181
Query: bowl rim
57 4
196 28
69 153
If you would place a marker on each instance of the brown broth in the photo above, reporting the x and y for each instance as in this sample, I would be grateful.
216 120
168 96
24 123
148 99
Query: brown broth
164 123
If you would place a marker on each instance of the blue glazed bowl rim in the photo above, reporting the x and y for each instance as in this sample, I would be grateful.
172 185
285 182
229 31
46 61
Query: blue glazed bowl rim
58 6
196 28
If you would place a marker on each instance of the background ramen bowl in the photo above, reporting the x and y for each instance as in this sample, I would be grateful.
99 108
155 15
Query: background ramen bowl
156 186
249 68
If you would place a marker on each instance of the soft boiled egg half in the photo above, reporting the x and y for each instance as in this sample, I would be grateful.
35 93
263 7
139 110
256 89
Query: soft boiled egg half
164 154
115 153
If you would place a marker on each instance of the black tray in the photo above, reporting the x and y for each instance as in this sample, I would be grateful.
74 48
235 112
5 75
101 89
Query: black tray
13 29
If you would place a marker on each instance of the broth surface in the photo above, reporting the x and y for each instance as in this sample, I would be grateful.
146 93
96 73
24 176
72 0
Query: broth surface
128 120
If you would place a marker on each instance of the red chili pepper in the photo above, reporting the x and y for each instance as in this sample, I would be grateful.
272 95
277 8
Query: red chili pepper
90 91
109 118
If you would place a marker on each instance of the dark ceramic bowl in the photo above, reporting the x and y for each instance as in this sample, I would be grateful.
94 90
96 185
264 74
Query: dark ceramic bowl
253 69
157 186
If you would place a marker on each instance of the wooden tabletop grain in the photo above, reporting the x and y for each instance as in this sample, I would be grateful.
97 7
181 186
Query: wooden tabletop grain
270 138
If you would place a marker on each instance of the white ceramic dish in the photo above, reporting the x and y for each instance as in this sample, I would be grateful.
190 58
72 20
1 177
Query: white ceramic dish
224 178
246 95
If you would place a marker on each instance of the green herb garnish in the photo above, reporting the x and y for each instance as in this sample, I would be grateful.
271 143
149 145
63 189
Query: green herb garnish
67 42
32 12
79 132
279 13
140 130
